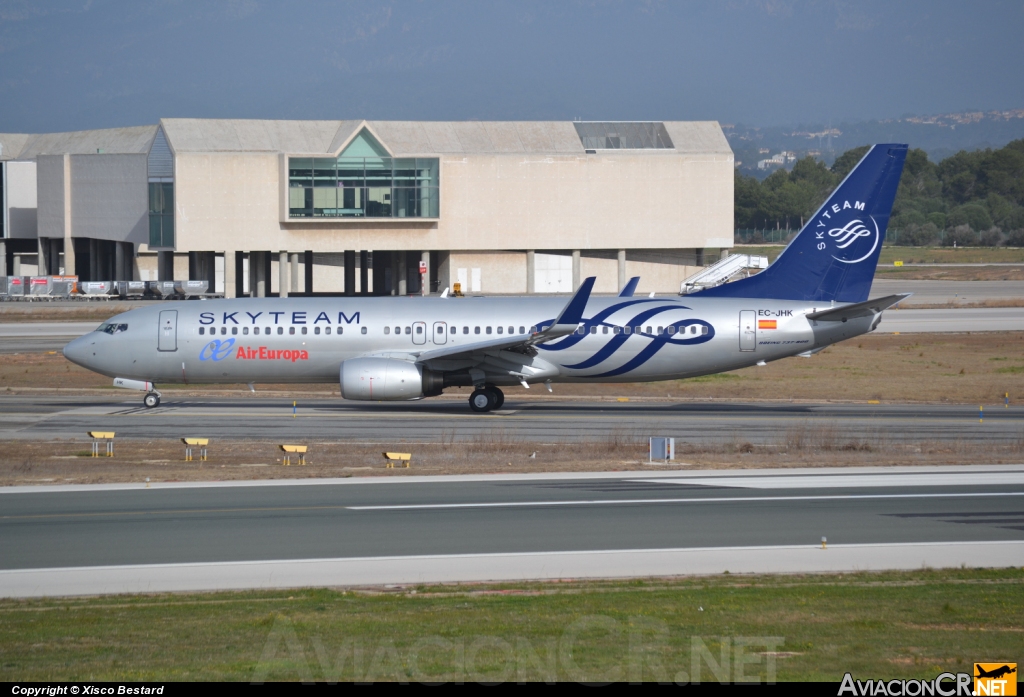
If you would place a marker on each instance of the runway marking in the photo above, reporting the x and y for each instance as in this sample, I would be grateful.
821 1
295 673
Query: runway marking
169 512
732 499
839 481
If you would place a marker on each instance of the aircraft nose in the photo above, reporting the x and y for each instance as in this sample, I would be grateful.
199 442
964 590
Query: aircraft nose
77 350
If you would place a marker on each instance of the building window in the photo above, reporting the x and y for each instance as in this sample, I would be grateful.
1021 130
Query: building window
623 135
161 214
363 182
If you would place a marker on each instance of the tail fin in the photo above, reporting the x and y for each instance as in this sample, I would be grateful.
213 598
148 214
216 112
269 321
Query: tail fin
835 255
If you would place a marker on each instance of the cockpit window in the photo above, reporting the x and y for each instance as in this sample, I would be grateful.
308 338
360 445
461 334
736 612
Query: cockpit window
112 328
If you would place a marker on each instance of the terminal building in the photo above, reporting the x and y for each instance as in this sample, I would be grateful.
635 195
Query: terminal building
264 208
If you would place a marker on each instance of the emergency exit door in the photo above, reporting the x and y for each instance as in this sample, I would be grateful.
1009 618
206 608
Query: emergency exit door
419 332
440 332
748 330
167 340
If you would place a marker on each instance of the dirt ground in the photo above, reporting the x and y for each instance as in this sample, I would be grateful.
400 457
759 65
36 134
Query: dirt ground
70 462
965 368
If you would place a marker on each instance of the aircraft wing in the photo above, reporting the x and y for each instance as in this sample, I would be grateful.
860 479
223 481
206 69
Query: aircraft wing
864 309
566 323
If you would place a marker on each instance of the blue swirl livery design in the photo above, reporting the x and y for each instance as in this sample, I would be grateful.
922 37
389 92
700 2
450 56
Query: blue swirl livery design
655 341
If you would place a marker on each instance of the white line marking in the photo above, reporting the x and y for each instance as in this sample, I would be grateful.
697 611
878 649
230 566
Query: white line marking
619 502
839 481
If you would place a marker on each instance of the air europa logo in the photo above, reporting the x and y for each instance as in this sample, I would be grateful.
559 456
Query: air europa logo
247 353
216 350
851 242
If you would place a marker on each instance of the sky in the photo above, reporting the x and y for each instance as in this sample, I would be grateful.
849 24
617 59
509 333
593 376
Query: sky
104 63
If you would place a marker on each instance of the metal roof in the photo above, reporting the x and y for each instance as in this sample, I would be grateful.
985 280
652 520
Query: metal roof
402 138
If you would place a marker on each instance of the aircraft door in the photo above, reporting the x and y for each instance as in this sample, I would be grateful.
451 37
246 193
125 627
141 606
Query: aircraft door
419 332
167 340
440 333
748 330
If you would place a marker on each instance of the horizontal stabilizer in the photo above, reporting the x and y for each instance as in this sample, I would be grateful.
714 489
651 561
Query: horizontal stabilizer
864 309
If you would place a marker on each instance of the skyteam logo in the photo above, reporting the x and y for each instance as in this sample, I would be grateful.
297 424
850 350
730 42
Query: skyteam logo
852 242
216 350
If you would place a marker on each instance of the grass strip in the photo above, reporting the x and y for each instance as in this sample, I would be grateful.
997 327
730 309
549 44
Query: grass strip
808 627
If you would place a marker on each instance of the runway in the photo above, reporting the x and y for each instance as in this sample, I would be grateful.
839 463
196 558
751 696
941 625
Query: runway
546 420
937 292
125 538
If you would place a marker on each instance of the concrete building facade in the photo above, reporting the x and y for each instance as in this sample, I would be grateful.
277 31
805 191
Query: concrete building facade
375 207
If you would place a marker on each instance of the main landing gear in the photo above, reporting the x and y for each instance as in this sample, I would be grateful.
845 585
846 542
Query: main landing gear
151 400
486 398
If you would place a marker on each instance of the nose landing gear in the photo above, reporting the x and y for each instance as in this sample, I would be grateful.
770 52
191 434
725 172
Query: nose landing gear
487 398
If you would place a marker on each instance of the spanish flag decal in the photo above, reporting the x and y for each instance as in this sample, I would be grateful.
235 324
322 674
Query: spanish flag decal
767 324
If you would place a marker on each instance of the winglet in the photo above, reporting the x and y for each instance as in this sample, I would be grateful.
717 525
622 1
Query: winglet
572 313
630 287
570 317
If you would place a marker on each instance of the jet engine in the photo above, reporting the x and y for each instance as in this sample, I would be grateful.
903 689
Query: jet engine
378 378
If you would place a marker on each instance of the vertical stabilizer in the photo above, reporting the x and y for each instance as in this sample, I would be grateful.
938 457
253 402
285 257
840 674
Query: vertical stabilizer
835 255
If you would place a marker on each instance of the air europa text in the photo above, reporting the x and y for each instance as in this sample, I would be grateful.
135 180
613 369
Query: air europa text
247 353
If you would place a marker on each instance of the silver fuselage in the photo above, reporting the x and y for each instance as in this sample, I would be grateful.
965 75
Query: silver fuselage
287 341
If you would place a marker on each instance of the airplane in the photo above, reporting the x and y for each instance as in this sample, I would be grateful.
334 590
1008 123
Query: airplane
813 295
995 673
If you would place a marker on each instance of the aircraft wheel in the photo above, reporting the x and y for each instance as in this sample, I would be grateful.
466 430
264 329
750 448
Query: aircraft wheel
151 400
481 400
499 396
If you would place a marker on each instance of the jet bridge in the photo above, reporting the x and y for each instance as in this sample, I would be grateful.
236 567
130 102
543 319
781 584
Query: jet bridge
723 271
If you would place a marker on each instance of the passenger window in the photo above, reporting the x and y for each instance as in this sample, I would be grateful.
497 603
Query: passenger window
223 330
316 330
500 329
703 330
280 331
453 330
672 330
304 330
581 330
291 330
511 330
649 330
440 329
387 330
419 329
234 331
488 330
593 330
408 330
327 330
522 330
476 330
604 330
362 330
661 330
465 330
533 330
616 330
202 330
340 330
245 330
266 330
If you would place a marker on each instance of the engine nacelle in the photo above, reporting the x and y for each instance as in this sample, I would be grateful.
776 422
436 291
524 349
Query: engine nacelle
373 378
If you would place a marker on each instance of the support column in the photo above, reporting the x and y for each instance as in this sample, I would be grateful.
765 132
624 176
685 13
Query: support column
230 277
622 269
531 270
425 277
282 274
403 276
164 264
3 257
70 264
43 256
293 286
16 270
364 272
258 265
575 269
